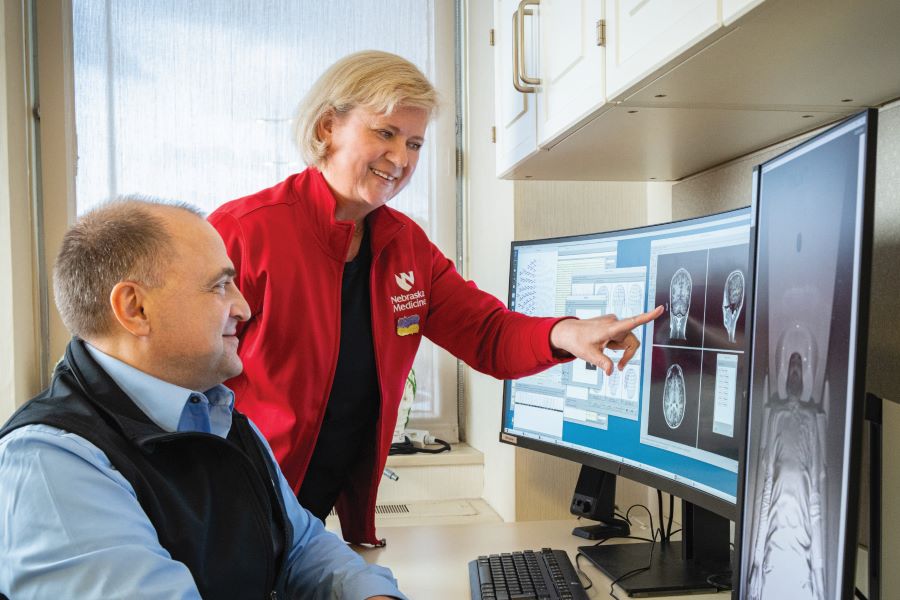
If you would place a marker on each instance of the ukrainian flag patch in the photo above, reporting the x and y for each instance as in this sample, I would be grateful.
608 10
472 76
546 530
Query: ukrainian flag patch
408 325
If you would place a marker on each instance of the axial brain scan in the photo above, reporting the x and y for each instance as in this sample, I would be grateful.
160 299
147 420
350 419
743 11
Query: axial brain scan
680 304
732 302
673 397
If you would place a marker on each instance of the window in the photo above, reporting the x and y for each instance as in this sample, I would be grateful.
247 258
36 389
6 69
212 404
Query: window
193 101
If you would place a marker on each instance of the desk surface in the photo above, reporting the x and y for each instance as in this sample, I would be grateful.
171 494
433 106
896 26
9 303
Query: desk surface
432 561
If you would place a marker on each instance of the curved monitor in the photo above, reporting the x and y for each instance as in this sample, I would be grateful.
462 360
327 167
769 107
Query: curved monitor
671 418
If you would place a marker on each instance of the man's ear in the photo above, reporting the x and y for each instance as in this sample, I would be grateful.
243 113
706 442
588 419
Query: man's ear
127 301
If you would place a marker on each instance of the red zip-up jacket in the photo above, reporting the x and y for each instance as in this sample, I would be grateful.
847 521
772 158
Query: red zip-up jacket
289 253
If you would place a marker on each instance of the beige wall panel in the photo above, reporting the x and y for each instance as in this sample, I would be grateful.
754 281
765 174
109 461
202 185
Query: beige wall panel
890 508
58 154
556 208
19 351
724 188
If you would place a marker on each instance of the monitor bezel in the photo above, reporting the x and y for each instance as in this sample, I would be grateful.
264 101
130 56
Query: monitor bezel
716 504
860 343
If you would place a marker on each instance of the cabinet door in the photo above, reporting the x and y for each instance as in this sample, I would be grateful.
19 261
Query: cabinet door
515 112
571 66
643 35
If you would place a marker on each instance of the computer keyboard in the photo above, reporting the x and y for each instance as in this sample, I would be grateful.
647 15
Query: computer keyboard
530 575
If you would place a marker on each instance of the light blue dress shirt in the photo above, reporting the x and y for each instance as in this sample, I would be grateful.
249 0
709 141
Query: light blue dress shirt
71 525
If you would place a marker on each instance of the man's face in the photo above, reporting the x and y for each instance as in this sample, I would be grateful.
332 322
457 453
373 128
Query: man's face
194 314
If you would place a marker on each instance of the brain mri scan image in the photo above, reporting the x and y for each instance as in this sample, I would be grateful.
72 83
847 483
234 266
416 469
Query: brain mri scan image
674 397
680 304
788 552
732 302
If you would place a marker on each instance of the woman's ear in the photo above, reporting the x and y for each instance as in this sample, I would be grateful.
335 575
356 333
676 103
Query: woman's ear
127 302
325 126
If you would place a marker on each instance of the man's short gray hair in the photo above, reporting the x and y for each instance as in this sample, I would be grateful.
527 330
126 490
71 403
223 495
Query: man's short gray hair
121 240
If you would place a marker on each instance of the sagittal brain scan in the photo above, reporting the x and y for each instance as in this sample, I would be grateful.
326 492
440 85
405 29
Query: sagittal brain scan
732 302
674 397
680 304
788 552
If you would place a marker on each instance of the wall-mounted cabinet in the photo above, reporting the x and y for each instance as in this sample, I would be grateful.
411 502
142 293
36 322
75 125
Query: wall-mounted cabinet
642 35
551 63
516 104
683 85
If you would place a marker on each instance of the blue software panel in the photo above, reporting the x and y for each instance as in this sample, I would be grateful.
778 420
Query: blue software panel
673 409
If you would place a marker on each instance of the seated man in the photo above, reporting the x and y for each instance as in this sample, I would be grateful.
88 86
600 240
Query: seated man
132 476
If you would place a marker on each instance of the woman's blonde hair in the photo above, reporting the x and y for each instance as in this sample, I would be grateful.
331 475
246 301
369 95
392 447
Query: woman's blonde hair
379 81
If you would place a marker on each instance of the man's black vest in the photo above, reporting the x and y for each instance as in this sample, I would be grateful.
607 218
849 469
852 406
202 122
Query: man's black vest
215 503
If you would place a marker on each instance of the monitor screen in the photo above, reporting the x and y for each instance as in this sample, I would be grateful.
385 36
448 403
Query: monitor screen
813 215
670 417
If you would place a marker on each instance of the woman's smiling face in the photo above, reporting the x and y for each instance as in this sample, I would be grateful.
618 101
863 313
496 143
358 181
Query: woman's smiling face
371 156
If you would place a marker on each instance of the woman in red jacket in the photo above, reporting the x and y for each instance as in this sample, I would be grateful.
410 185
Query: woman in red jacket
343 288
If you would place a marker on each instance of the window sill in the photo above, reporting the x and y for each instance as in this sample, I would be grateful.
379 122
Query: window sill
459 454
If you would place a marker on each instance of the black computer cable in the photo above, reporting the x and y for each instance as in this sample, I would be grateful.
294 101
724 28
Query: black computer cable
407 447
649 514
582 573
633 572
671 512
660 514
625 537
618 537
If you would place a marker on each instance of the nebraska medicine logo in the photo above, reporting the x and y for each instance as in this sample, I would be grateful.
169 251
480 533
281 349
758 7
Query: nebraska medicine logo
405 280
407 324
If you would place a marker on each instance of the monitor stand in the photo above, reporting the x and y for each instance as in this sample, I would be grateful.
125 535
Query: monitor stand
676 567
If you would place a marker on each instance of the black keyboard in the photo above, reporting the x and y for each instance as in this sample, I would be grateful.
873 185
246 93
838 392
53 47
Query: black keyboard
530 575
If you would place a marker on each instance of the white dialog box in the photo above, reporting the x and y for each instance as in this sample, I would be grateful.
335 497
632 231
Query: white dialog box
726 386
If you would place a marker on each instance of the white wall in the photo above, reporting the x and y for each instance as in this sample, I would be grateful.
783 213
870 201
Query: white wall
489 218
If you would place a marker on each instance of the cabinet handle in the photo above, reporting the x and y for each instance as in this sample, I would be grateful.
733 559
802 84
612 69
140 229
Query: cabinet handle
522 12
515 58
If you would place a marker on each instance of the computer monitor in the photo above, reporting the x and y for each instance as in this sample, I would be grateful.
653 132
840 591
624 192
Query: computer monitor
812 264
671 418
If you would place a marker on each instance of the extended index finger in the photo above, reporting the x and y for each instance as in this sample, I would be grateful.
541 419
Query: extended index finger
626 325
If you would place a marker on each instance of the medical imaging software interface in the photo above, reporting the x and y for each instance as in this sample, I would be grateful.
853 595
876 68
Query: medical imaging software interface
672 411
